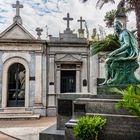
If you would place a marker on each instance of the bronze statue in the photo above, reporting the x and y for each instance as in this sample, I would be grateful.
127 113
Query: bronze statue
119 63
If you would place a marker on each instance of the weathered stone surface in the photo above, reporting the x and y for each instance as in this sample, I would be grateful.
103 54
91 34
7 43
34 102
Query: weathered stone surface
118 127
51 134
65 107
64 112
103 106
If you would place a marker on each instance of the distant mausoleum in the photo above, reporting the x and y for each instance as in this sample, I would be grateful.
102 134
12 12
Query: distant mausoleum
34 72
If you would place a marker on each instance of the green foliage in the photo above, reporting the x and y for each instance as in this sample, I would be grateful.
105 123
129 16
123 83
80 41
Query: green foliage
130 100
89 127
110 17
111 42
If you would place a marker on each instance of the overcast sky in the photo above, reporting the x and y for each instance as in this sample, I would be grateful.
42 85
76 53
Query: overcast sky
50 13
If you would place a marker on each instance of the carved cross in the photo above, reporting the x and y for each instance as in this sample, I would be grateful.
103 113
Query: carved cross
81 21
17 6
68 19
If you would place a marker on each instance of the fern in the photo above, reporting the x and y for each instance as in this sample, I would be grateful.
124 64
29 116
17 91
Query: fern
130 100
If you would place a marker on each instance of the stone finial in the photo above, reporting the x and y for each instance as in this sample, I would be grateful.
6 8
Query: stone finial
81 30
39 30
68 19
94 32
17 17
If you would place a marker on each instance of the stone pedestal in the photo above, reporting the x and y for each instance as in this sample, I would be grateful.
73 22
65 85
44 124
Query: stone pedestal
120 123
64 114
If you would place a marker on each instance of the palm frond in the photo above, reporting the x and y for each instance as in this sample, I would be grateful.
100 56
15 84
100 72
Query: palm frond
118 91
100 3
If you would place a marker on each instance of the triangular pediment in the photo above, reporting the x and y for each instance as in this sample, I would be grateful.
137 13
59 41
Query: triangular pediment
69 58
16 31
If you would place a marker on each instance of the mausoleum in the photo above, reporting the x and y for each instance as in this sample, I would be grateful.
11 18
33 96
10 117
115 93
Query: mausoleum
33 72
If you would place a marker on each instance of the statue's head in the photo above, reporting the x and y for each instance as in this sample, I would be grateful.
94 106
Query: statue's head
117 26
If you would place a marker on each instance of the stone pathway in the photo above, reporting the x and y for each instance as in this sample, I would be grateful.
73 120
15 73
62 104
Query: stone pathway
24 129
4 136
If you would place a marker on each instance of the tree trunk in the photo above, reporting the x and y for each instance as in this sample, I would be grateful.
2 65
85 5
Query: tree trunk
137 11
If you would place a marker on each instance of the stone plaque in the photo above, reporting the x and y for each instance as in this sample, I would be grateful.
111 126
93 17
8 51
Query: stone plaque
32 78
64 107
84 82
51 83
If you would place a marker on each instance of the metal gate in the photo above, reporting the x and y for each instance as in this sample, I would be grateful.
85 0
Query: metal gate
68 81
16 85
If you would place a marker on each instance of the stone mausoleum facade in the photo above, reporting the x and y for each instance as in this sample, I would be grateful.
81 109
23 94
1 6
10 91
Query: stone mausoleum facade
33 72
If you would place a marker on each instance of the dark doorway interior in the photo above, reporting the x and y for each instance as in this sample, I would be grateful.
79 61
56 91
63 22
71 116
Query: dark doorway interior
16 85
68 81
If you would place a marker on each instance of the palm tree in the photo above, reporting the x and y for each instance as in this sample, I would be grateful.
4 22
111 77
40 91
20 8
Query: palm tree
130 4
109 18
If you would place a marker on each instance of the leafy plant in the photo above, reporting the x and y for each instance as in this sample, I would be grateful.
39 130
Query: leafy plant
89 127
130 100
110 43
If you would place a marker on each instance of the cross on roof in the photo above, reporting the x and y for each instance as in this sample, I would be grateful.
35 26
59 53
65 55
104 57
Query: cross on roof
68 19
81 21
17 6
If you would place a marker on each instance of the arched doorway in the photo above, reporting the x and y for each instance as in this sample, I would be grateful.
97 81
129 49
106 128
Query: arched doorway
16 85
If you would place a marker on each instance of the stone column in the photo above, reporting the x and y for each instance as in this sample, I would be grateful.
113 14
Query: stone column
101 59
78 78
45 78
1 53
94 73
51 74
32 81
51 110
58 79
38 79
84 74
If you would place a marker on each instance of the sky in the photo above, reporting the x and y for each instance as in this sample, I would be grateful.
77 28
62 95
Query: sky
48 15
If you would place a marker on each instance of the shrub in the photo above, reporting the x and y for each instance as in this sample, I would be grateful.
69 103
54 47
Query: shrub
130 100
89 127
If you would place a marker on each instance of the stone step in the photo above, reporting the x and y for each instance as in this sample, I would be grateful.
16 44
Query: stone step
5 136
52 133
20 116
102 106
112 115
13 108
17 113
